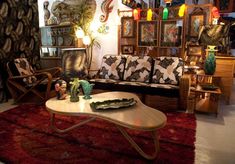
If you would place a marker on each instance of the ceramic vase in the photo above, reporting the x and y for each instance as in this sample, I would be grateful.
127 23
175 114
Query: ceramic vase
210 62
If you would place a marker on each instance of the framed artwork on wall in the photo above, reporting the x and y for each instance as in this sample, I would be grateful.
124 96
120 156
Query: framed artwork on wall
171 31
127 27
127 49
196 20
147 33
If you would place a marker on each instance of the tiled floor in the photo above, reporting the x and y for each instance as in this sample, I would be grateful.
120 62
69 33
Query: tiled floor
215 138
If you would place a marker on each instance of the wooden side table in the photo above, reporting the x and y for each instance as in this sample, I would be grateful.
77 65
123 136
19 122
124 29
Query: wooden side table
207 99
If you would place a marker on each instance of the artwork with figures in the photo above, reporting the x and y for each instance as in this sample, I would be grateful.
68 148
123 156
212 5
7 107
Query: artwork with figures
74 63
147 33
196 22
127 28
170 34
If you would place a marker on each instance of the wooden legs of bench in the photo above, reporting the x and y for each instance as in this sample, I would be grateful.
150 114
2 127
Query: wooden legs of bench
136 146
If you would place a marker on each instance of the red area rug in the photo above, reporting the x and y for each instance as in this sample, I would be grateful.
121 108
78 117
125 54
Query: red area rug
26 137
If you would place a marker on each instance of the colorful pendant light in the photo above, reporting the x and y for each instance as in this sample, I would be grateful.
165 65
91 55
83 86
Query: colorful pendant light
215 12
149 15
182 10
165 13
136 14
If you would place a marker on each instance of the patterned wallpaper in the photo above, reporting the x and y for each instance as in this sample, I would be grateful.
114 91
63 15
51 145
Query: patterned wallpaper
19 32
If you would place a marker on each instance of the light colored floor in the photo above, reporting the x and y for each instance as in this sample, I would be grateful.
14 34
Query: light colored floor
215 138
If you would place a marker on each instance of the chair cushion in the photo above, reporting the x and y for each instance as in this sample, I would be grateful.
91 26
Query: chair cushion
167 70
24 68
112 67
138 68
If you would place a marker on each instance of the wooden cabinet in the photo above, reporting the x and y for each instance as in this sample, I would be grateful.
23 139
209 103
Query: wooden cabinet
53 40
225 6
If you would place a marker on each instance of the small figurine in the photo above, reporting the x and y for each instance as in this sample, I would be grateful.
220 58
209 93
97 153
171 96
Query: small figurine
60 88
87 88
74 90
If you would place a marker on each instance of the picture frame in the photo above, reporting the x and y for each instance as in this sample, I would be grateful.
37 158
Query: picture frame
171 31
147 33
196 19
127 27
127 49
195 50
74 63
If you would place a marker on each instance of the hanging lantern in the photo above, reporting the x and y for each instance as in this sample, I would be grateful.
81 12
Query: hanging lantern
136 14
182 10
86 40
215 12
149 15
165 13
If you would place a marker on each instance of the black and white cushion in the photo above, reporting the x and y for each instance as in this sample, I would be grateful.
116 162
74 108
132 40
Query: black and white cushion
112 67
138 68
167 70
24 68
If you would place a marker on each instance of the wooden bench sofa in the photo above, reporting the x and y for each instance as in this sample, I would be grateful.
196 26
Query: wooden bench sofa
161 76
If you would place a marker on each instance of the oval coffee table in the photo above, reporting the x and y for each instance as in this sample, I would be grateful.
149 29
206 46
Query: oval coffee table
138 117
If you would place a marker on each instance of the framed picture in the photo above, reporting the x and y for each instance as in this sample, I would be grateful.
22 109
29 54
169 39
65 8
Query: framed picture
127 27
195 50
171 31
127 49
147 33
196 19
74 63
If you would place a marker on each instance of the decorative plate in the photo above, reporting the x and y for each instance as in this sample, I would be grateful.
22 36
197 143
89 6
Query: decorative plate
112 104
60 41
209 87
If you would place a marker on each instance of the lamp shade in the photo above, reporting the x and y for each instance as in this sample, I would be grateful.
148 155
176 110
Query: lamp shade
86 40
167 1
79 33
165 13
149 15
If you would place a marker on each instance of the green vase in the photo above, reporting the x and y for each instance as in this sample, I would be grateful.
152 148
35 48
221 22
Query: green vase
210 64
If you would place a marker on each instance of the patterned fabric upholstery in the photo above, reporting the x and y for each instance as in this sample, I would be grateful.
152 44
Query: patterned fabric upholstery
138 68
112 67
24 68
167 70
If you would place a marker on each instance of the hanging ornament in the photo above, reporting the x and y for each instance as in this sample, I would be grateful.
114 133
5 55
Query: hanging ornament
165 13
182 10
149 15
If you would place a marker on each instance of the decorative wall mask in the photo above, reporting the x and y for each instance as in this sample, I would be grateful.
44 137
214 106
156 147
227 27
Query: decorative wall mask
106 8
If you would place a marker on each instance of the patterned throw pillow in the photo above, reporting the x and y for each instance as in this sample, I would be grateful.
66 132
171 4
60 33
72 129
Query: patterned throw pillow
167 70
138 68
112 67
24 68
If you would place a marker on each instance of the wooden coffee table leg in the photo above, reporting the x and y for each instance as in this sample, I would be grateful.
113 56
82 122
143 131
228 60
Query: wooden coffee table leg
136 146
53 126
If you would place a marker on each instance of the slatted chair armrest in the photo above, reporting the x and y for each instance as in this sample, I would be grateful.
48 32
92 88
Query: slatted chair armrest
55 71
184 86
